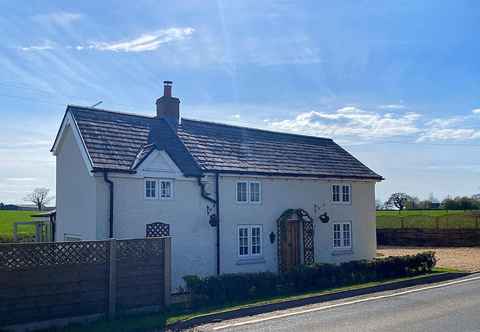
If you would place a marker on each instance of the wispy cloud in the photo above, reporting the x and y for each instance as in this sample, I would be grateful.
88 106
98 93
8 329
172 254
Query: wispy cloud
59 18
350 122
146 42
458 128
47 45
476 111
449 134
392 107
354 125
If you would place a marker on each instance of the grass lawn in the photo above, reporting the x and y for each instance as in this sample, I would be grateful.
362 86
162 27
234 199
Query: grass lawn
7 218
427 219
177 313
431 213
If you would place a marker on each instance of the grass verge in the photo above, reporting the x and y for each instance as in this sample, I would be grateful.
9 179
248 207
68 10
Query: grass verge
178 313
8 218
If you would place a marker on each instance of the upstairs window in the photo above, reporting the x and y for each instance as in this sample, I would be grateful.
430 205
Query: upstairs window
336 193
346 193
242 192
158 189
255 192
249 192
341 193
150 189
165 189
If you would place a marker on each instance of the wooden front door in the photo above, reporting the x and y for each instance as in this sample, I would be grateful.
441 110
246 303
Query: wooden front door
291 245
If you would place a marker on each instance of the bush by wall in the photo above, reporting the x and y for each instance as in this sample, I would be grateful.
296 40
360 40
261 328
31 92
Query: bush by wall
227 288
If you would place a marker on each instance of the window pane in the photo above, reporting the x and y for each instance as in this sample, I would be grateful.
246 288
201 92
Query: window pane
336 193
346 235
256 240
254 192
346 193
241 191
243 241
336 236
150 189
165 189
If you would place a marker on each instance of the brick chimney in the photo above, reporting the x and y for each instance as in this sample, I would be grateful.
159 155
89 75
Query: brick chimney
168 107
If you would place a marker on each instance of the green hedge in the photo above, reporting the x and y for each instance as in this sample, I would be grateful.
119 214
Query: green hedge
228 288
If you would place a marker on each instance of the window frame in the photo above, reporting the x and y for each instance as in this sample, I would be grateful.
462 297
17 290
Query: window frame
160 189
145 189
249 228
248 192
340 193
246 201
342 237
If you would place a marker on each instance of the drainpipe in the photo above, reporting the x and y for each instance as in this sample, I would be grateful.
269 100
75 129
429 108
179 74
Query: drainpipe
203 192
217 211
217 194
110 216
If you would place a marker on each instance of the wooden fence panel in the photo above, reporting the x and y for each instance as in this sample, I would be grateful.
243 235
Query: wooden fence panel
45 281
429 237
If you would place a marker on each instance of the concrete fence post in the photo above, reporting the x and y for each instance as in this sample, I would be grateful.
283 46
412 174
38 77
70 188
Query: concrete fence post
167 270
112 279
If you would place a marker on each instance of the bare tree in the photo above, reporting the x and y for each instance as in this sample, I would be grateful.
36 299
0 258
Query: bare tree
399 200
39 197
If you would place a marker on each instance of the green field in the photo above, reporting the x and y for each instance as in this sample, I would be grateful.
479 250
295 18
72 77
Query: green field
428 219
7 218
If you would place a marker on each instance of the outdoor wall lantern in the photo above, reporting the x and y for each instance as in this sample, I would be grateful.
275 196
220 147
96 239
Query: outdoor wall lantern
324 218
272 237
213 221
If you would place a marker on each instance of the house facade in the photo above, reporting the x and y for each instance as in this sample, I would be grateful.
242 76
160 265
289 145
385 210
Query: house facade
233 199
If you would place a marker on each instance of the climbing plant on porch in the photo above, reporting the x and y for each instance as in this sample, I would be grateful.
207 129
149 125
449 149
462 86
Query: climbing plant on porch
307 230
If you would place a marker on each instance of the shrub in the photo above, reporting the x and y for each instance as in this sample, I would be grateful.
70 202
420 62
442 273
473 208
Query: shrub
245 286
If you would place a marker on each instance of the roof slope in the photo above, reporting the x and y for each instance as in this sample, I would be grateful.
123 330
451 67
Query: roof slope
120 141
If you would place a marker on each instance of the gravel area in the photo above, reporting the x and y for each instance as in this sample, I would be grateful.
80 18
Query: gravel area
465 259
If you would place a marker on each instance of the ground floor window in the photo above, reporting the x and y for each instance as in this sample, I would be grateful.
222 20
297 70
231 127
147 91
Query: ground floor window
342 235
249 240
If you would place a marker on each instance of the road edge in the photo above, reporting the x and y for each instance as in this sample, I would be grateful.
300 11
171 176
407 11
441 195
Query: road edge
289 304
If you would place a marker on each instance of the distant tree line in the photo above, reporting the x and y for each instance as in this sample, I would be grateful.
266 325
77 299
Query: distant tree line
402 201
8 206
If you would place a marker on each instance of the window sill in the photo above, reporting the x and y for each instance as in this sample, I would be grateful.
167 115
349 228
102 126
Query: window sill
247 261
340 252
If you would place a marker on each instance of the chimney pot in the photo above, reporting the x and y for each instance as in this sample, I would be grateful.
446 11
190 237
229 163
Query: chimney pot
167 88
168 107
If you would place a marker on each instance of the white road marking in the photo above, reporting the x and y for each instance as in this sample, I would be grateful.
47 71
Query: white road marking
374 298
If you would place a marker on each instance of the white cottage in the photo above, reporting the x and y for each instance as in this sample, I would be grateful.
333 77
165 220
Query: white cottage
233 199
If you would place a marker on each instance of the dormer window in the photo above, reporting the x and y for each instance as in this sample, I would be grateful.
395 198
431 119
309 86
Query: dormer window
158 189
150 189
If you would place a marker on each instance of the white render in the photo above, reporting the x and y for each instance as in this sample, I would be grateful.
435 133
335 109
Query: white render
82 210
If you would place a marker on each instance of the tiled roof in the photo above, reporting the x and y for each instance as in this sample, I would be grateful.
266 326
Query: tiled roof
120 141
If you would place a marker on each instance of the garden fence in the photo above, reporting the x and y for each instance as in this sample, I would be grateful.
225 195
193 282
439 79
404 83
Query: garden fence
45 284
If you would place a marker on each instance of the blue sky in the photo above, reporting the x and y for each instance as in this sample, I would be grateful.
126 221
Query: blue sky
395 82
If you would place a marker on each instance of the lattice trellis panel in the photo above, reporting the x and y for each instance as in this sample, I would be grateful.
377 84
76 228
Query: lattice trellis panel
308 252
33 255
157 229
140 248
